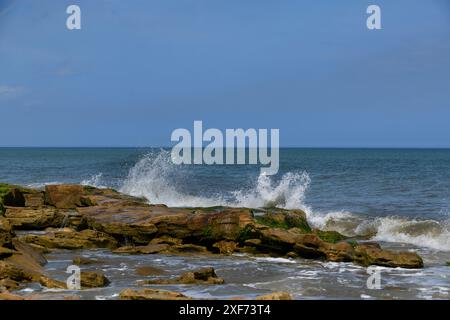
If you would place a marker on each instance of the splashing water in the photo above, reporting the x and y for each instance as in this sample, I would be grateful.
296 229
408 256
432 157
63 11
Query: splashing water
94 181
156 178
289 193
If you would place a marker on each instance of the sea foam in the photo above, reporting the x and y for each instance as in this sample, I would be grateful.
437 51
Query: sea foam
156 178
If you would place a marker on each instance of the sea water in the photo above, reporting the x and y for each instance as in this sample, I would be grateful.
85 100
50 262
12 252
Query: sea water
401 197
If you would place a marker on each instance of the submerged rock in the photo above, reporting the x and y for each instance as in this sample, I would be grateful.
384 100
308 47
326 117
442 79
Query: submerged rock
201 276
149 271
51 283
151 294
83 261
93 279
148 249
186 249
275 296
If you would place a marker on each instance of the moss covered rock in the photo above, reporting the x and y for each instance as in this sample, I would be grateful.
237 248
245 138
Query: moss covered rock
330 236
284 219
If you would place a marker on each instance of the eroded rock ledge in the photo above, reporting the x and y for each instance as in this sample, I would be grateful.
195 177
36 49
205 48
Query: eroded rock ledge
80 217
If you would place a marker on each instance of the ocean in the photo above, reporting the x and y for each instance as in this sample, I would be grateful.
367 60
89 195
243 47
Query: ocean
400 197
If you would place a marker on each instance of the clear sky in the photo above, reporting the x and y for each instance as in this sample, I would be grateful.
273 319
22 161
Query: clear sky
139 69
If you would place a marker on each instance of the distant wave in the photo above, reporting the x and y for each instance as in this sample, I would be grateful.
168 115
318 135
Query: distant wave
423 233
157 179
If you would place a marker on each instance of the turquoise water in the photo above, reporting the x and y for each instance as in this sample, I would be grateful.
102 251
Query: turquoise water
402 195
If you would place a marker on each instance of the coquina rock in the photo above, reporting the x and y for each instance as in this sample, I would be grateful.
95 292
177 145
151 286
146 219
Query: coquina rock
275 296
52 283
6 233
372 254
64 196
201 276
71 239
225 247
93 279
34 218
151 294
104 218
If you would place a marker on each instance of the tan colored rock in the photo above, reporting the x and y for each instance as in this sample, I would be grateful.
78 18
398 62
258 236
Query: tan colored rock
373 255
277 240
122 220
225 247
310 246
34 218
51 283
275 296
186 249
252 242
70 239
25 264
8 284
148 249
140 222
6 233
149 271
64 196
34 200
201 276
166 240
12 272
151 294
9 296
339 252
5 252
93 279
83 261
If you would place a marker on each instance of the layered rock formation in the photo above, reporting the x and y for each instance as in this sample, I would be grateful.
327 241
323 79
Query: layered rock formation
79 217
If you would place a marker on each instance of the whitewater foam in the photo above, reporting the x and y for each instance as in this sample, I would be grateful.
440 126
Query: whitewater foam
94 181
156 178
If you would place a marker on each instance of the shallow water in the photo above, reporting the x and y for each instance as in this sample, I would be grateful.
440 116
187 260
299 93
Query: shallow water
248 276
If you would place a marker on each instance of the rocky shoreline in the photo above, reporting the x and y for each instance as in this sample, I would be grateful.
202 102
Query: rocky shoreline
74 217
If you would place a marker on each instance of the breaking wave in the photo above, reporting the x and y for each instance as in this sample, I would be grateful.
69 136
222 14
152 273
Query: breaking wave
95 180
423 233
157 179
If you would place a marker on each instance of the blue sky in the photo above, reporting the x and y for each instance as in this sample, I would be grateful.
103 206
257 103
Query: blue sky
139 69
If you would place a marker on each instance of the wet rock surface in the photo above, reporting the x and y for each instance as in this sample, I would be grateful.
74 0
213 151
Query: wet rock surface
74 217
201 276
